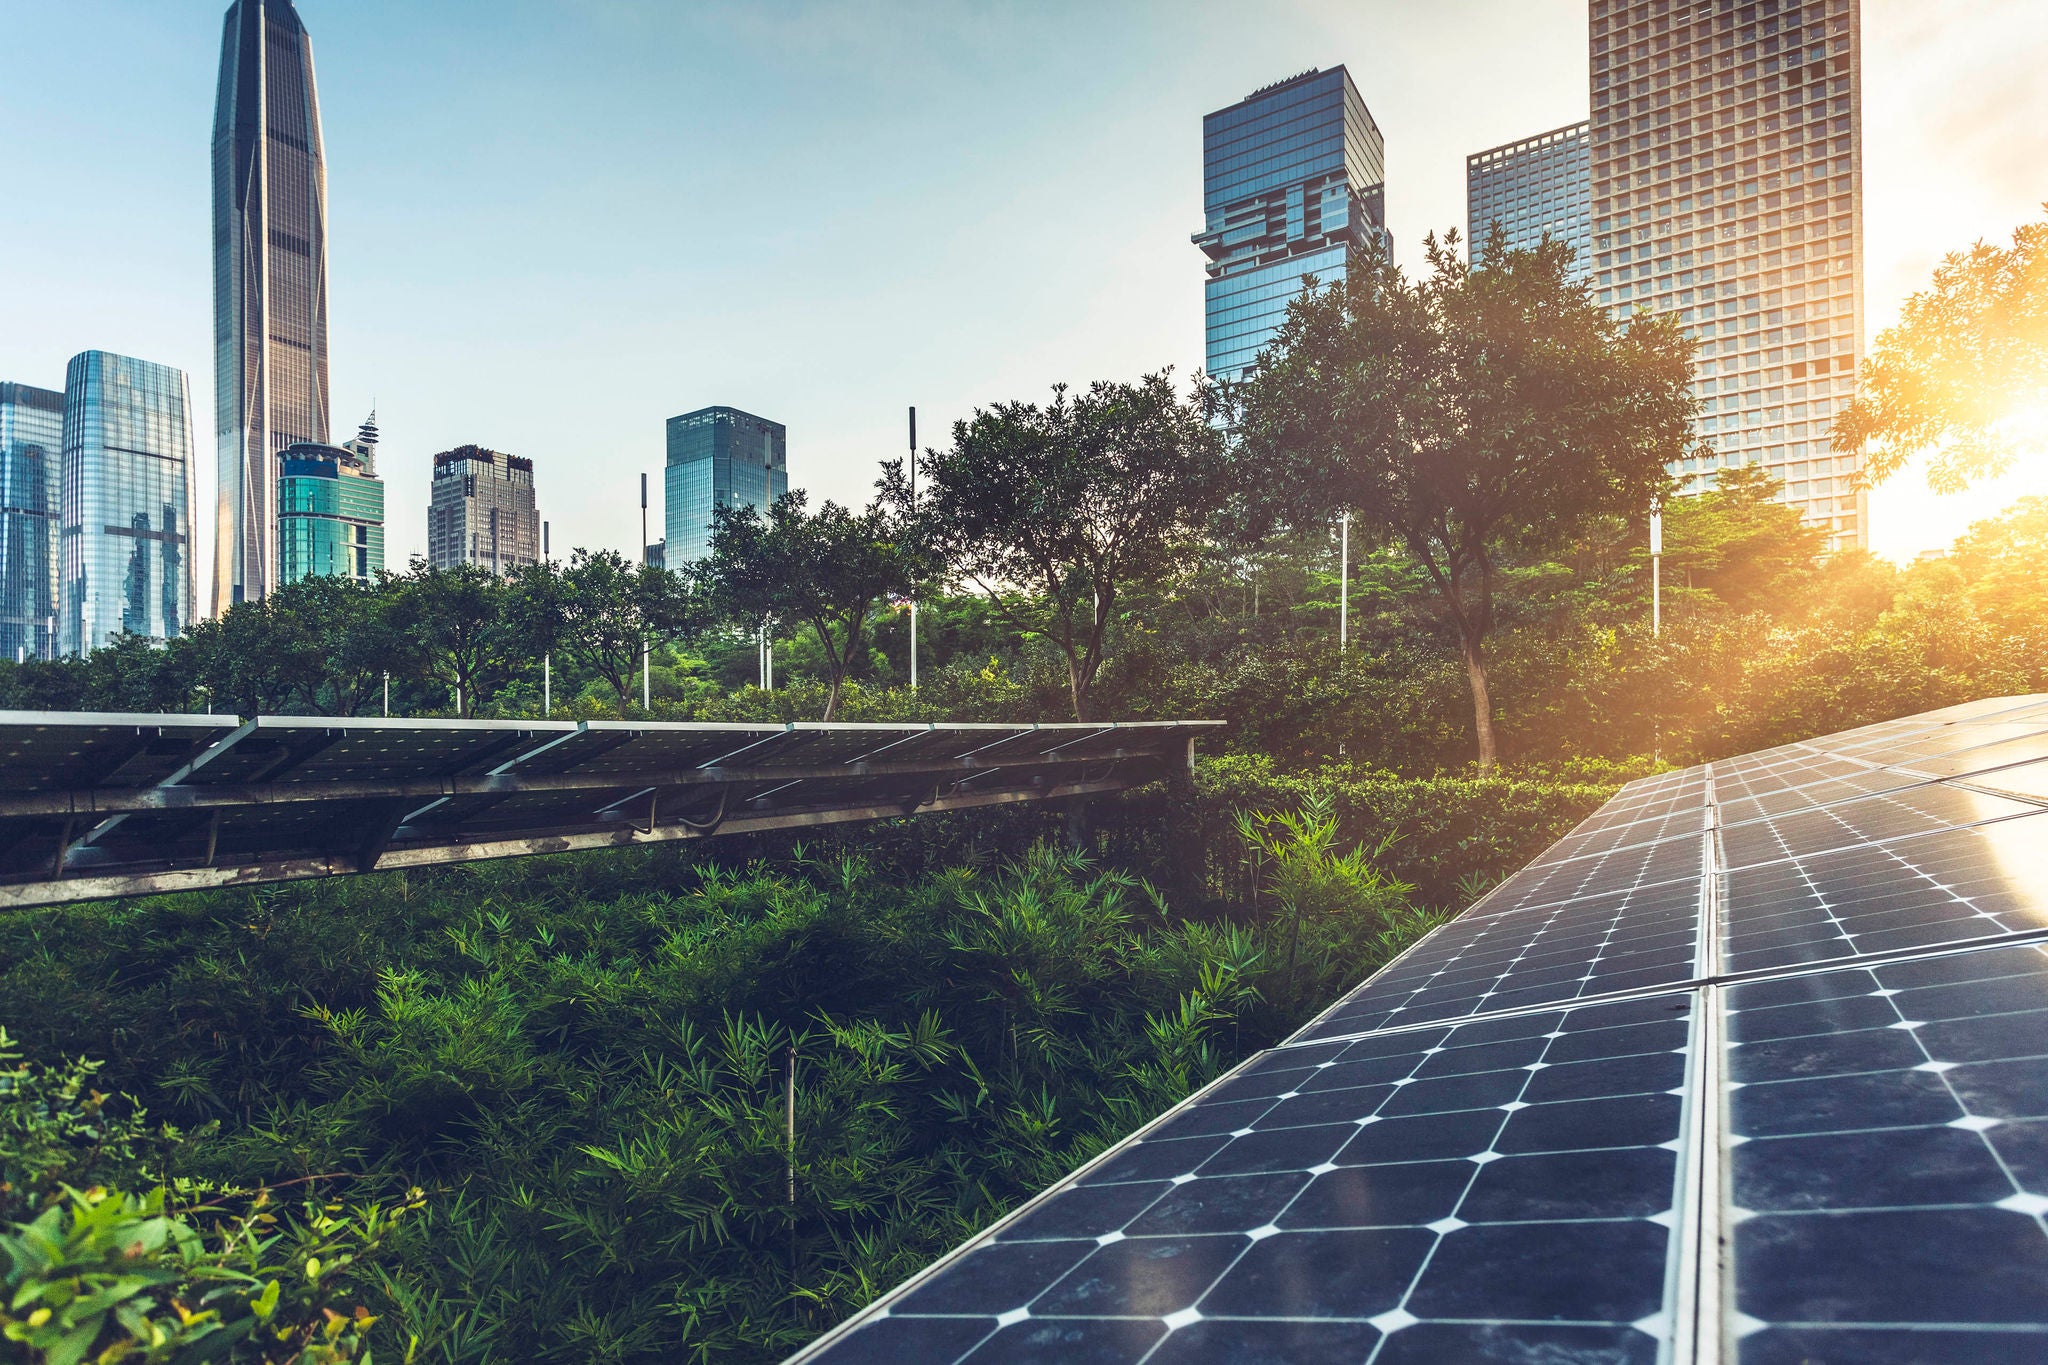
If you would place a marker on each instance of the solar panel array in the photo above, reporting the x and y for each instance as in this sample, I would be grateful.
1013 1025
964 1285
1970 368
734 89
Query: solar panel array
1752 1065
95 805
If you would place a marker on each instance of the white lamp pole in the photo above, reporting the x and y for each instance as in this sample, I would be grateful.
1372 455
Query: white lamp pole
913 509
1656 571
646 648
547 658
1344 583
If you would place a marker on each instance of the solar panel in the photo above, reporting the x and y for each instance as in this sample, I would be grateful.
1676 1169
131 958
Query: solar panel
98 805
1751 1064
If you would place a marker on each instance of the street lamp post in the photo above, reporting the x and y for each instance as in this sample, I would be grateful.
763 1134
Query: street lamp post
547 658
1656 571
646 647
1344 583
913 511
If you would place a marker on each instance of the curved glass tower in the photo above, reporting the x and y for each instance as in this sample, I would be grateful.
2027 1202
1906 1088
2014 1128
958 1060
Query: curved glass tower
127 502
269 282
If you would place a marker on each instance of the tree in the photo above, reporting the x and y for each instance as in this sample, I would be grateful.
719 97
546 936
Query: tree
457 631
1963 374
1055 512
603 612
828 571
1479 412
1739 542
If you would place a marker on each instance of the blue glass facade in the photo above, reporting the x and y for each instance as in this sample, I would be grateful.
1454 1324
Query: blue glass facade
330 514
718 457
126 551
31 493
1541 185
269 281
1293 184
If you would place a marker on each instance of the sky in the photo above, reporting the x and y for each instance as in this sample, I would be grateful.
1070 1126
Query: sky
555 224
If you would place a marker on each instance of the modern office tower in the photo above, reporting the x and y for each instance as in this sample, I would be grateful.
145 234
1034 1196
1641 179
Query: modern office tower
482 511
31 494
717 457
330 512
269 281
1727 189
126 523
1293 183
1537 186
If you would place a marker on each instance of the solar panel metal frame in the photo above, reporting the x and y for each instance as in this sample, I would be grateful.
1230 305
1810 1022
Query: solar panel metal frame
1708 1272
285 797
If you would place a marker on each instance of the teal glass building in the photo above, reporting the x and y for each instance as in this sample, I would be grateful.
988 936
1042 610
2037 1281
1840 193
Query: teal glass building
330 514
1293 184
31 489
718 457
126 515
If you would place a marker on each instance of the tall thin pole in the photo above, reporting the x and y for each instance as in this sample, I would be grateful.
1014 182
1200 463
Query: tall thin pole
646 646
1656 571
1344 584
547 658
387 694
913 511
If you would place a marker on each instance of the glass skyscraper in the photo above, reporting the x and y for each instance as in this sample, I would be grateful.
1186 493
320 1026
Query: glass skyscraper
31 495
126 542
1293 183
330 512
718 457
1728 190
1539 185
269 281
482 511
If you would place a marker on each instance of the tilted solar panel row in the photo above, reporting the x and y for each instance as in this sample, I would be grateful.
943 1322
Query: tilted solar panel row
1770 1088
101 805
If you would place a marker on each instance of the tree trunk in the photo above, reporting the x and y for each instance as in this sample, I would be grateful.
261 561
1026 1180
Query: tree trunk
832 694
1482 701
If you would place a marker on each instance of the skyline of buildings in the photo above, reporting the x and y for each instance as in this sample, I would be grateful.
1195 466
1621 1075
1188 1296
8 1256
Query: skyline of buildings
482 511
1293 183
1727 189
717 457
31 496
1718 179
1532 187
269 283
125 560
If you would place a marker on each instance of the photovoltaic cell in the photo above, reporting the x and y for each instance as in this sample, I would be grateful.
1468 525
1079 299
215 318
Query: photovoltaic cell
1595 945
1889 1166
1927 891
1499 1190
1531 1134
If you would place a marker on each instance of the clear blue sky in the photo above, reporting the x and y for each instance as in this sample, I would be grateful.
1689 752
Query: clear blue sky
553 225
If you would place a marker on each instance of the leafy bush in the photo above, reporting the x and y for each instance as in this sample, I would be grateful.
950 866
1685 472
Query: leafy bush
163 1275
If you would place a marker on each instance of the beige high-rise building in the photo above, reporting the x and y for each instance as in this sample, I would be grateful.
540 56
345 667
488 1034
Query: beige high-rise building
482 511
1727 173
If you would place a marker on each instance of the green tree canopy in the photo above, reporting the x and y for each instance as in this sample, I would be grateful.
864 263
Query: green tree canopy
1056 511
827 570
1480 411
1962 376
603 612
458 631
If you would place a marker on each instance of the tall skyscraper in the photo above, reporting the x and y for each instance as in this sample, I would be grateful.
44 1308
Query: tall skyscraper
717 457
482 511
330 510
31 494
1539 185
269 282
1293 183
1728 189
126 557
